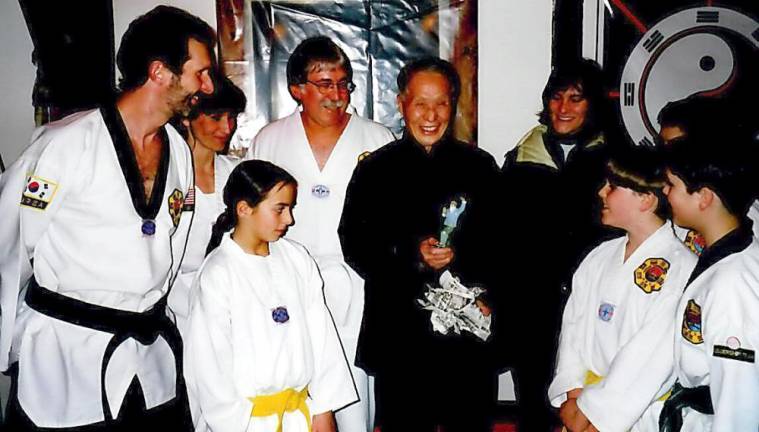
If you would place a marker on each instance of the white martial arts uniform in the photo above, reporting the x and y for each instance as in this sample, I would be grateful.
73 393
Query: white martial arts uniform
208 207
753 214
236 350
618 325
716 337
321 195
78 225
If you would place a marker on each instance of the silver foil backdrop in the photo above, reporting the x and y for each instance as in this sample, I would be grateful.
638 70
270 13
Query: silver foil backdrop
257 37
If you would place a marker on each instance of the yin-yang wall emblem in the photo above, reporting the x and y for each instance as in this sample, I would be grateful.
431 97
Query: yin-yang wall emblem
693 51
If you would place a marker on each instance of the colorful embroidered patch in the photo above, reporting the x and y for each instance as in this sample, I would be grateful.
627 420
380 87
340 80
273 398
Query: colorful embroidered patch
38 193
280 315
176 201
695 242
320 191
650 275
363 155
606 312
189 201
691 329
739 354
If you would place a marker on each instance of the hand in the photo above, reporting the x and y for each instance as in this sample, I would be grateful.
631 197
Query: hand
324 422
484 308
574 420
435 257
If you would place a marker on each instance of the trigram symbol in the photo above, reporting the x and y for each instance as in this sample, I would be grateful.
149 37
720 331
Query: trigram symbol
707 16
653 41
646 142
629 96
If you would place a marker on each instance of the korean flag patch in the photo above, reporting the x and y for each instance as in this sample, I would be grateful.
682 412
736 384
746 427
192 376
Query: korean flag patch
38 193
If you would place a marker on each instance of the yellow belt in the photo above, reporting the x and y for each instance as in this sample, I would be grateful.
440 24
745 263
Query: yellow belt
288 400
591 378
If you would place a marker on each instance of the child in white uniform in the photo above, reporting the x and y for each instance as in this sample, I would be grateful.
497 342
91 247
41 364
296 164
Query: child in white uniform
262 352
615 350
717 333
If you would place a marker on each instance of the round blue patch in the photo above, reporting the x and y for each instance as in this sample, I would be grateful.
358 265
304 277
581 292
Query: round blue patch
606 312
280 315
320 191
148 227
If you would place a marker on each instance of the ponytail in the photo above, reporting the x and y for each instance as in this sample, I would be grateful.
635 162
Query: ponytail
250 181
225 222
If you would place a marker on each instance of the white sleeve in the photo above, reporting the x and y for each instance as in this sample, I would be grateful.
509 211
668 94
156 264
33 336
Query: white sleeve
570 367
208 355
31 193
731 338
332 385
640 372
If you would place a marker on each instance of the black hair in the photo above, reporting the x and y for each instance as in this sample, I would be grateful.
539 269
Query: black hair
250 181
587 77
700 115
226 98
431 64
640 169
725 165
310 54
162 34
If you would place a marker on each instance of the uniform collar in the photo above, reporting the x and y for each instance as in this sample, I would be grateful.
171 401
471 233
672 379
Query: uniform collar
733 242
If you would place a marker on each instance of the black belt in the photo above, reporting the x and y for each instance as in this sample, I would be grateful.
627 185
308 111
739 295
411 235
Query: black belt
698 398
145 327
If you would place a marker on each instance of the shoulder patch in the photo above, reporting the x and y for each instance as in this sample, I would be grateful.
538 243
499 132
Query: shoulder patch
363 155
176 202
650 275
38 193
695 242
691 329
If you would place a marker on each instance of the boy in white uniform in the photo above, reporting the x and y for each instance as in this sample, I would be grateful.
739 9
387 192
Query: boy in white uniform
320 144
717 325
90 253
615 350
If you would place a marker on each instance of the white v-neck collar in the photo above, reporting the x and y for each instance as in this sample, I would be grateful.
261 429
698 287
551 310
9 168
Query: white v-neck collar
306 146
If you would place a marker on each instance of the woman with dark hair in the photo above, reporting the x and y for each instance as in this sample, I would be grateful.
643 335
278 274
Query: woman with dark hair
262 352
207 130
552 176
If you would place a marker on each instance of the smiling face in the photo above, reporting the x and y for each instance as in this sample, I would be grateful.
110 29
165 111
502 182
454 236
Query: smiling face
620 205
323 109
426 107
214 130
195 78
568 109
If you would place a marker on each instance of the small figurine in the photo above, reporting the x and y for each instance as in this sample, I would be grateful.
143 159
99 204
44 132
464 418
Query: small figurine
450 216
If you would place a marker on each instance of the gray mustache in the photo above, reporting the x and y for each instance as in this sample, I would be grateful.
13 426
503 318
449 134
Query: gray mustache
329 104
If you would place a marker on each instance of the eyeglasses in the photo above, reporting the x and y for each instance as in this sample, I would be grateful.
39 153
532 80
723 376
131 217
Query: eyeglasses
327 86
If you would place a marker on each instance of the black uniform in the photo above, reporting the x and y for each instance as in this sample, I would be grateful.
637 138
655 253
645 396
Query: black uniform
393 202
556 223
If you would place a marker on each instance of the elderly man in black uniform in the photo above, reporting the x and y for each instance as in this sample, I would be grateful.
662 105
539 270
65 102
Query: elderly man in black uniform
389 232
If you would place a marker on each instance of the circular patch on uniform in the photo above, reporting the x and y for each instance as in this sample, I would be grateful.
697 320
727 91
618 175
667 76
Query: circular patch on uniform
733 343
320 191
280 315
606 312
148 227
34 186
650 275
